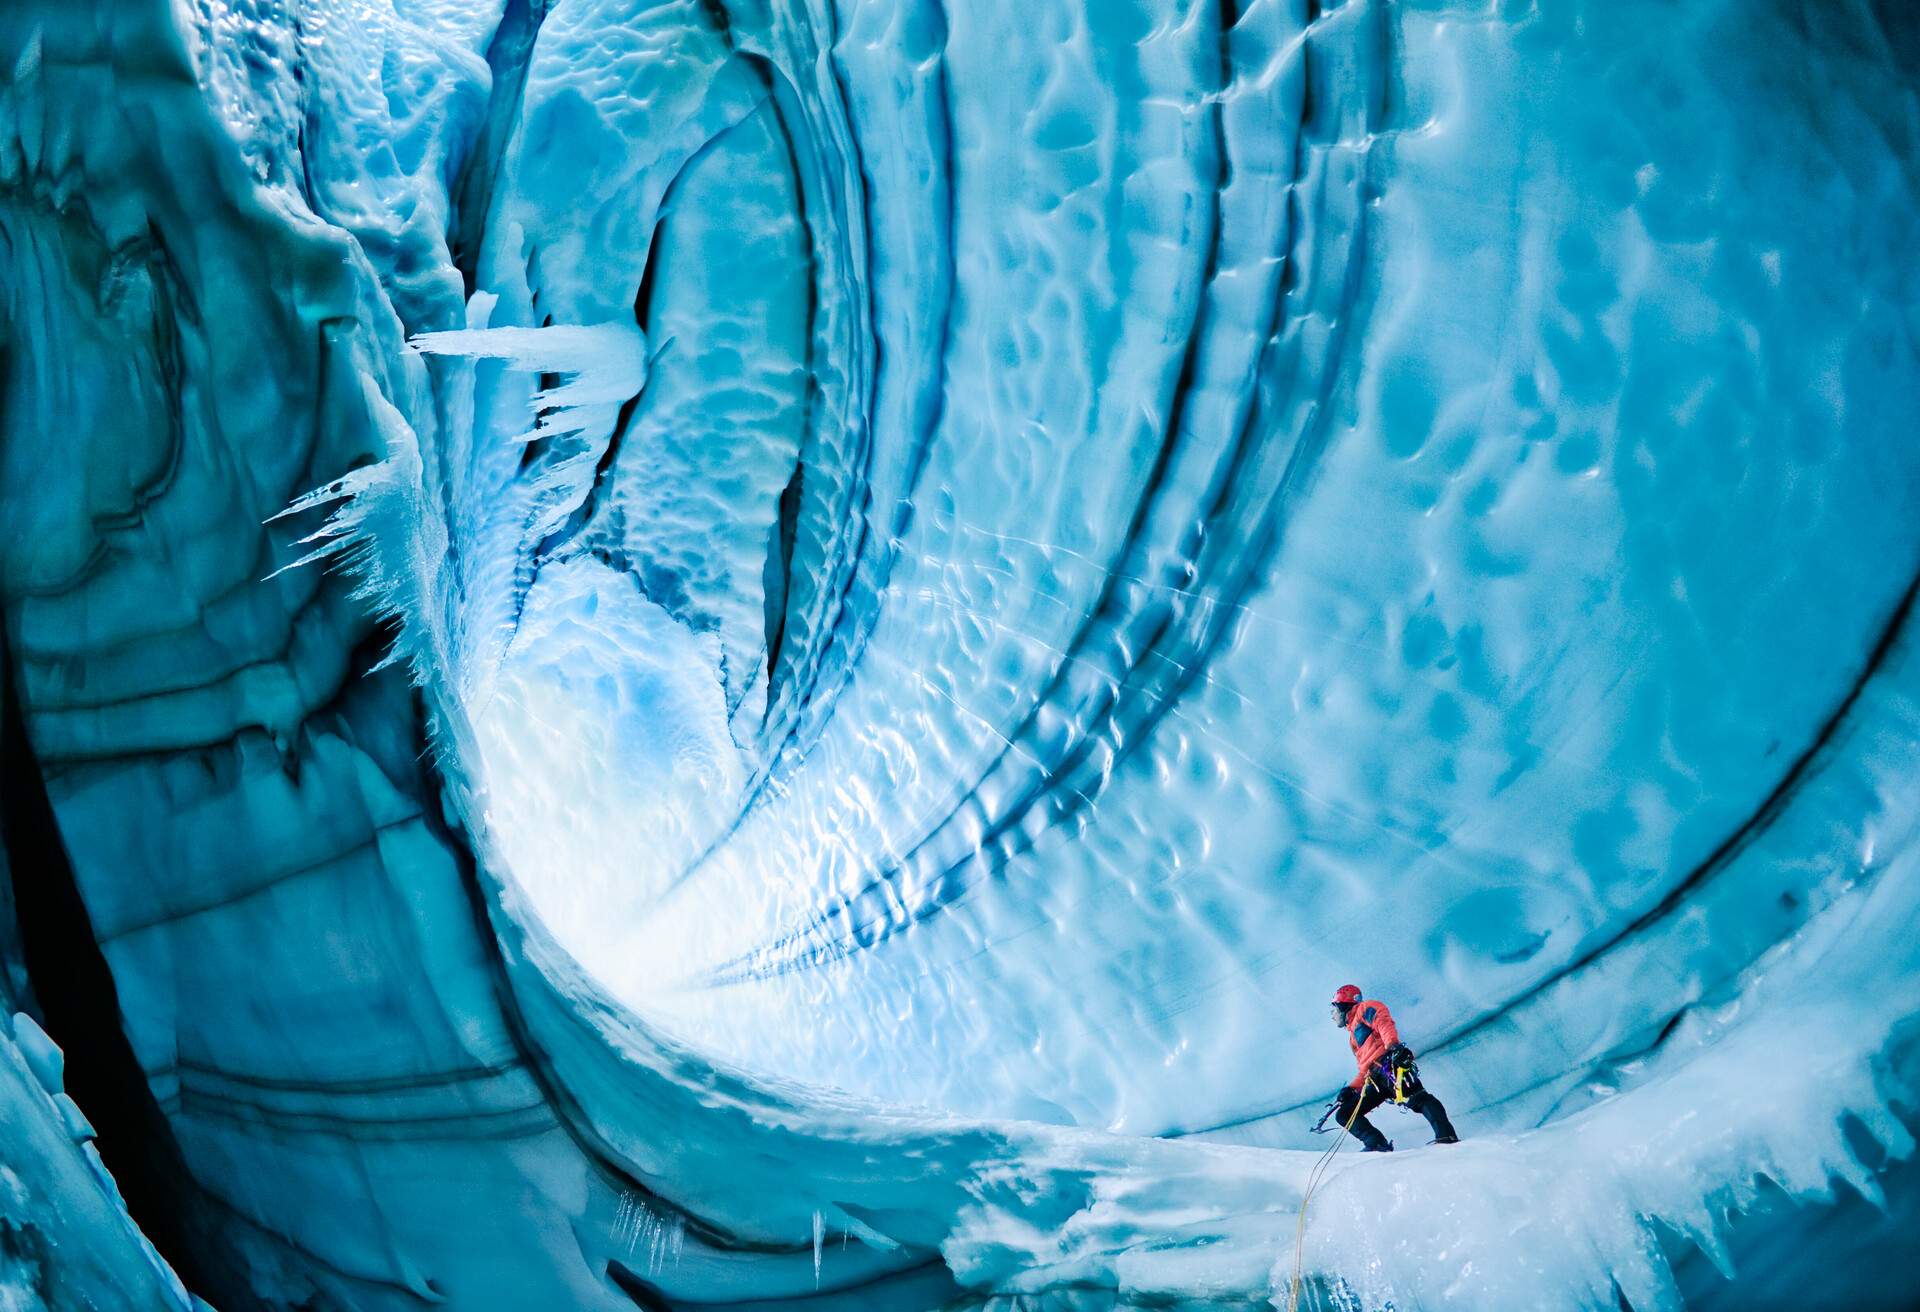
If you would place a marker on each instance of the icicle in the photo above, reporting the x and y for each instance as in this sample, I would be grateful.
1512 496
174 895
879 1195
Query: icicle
819 1233
604 364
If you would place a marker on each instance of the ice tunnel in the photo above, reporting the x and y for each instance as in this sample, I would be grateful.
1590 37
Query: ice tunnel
771 654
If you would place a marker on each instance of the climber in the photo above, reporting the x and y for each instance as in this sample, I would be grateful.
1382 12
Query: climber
1387 1073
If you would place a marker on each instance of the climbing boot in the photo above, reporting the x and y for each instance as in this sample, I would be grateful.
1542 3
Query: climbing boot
1429 1106
1371 1140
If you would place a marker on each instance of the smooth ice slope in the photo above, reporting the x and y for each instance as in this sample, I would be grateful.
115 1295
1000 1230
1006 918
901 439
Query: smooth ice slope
961 566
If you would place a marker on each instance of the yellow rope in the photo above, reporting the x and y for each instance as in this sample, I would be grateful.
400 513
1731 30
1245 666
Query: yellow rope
1313 1182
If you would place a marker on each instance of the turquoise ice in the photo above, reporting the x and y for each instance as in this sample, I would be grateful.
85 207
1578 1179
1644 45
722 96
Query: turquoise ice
773 652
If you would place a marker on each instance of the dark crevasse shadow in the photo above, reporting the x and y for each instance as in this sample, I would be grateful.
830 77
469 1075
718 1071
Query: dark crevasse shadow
79 1008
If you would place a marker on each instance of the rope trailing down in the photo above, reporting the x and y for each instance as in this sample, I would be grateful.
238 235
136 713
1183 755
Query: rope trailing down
1313 1182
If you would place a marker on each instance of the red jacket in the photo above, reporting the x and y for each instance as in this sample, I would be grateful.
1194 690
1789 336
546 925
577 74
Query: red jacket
1370 1030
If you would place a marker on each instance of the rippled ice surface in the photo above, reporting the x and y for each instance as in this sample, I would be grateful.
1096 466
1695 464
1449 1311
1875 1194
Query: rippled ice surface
1386 502
966 565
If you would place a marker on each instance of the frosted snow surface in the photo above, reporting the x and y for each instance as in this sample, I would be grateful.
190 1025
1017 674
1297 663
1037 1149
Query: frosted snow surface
964 566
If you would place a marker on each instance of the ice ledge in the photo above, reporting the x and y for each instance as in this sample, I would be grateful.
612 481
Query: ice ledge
66 1240
1566 1215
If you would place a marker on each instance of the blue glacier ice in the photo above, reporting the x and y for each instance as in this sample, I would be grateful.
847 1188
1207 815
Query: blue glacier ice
771 653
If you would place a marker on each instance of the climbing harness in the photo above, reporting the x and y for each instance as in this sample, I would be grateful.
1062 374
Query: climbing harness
1313 1182
1398 1066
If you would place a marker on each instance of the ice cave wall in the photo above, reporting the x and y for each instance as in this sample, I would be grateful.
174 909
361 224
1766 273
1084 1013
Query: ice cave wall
958 566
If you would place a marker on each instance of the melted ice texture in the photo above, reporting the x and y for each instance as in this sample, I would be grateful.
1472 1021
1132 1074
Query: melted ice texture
1382 499
972 563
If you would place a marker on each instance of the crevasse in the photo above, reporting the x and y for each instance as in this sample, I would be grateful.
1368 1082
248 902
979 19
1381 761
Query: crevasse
773 653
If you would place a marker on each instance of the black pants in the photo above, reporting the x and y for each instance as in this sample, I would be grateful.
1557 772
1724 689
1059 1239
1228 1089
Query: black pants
1418 1099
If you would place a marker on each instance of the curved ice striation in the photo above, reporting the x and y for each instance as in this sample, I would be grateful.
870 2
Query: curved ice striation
960 567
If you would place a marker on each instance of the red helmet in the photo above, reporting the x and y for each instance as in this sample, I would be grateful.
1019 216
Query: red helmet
1347 996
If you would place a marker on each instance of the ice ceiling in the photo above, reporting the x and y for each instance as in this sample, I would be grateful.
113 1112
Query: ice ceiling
771 653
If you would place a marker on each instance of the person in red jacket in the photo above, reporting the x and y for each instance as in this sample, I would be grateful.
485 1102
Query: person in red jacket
1386 1072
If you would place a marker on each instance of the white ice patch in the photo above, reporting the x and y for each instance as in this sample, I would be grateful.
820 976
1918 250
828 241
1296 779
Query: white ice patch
605 760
